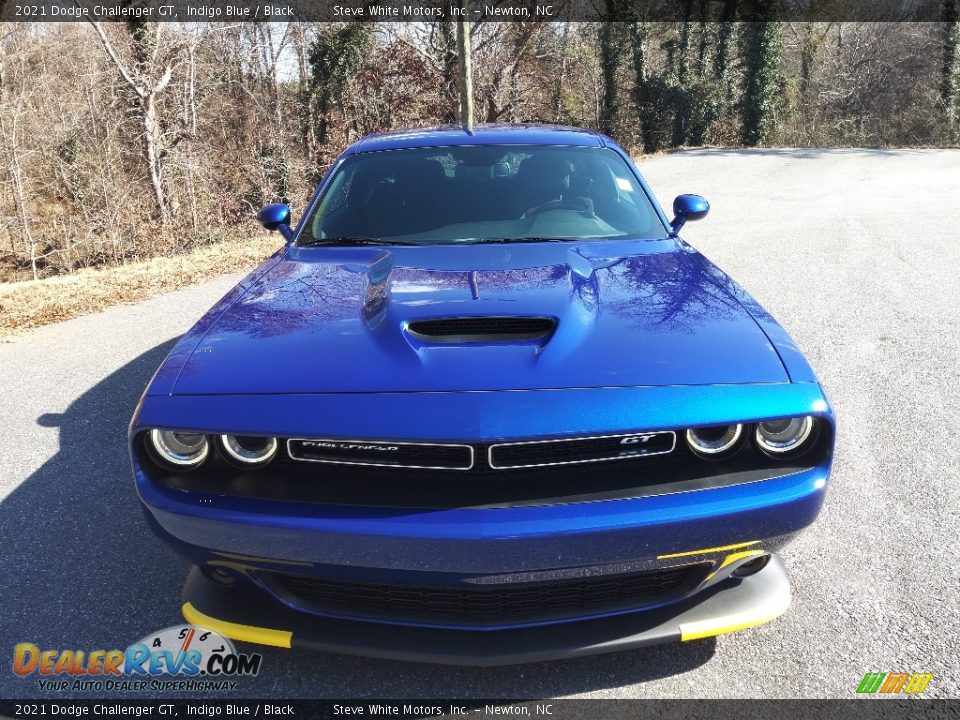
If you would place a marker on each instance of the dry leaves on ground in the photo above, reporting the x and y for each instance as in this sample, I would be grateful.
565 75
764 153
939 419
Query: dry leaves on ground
30 304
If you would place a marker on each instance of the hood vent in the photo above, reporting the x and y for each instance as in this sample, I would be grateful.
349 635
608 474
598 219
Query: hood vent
482 329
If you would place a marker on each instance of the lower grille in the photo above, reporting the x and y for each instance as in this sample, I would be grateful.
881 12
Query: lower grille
491 605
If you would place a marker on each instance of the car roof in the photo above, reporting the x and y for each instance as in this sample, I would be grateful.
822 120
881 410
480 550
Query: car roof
483 134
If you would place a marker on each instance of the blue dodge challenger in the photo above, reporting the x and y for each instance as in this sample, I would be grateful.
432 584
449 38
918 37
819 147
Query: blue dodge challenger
484 407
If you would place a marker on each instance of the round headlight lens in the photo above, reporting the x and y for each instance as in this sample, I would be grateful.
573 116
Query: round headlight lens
714 440
783 436
248 450
180 449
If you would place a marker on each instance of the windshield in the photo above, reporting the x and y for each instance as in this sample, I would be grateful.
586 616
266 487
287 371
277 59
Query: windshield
514 193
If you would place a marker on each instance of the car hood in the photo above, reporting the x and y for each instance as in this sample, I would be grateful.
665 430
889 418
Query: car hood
626 314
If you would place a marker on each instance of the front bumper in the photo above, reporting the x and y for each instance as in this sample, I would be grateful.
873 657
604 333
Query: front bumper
726 607
378 542
482 540
455 544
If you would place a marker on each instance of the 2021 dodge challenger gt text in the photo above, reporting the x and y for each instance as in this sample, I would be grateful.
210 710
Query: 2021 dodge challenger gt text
484 407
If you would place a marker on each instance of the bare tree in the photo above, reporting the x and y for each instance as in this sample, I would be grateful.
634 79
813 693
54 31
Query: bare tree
951 63
10 135
137 139
610 57
146 89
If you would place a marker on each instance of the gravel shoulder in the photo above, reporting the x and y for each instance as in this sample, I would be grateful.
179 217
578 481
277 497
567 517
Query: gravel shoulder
34 303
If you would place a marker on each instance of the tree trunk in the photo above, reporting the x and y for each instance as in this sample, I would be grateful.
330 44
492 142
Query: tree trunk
304 105
10 145
762 43
449 65
681 121
609 69
151 137
19 195
704 39
641 92
466 74
144 40
722 60
951 65
683 51
558 115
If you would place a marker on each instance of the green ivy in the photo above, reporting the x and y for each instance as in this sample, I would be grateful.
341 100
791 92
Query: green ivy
761 42
335 56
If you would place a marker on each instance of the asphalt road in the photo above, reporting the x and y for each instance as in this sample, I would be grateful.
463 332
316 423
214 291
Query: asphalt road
857 252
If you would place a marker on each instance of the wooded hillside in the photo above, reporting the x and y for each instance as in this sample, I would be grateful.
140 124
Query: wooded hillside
132 140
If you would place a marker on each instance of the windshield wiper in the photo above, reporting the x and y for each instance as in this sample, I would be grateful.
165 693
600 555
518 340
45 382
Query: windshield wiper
355 240
526 239
352 240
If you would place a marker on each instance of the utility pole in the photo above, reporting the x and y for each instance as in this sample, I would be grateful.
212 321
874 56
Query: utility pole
466 70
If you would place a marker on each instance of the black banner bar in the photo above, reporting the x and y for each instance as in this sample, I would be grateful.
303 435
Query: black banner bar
450 10
566 709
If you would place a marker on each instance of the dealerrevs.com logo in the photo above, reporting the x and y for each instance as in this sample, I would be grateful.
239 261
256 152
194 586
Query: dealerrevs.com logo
197 658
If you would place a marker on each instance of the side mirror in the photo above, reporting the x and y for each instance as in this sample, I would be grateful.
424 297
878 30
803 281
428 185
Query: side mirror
276 217
688 207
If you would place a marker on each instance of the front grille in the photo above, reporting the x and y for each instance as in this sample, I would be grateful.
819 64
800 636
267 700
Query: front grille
491 605
421 456
498 456
481 329
362 480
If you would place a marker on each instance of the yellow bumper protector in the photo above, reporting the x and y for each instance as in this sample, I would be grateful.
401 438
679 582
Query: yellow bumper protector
707 551
236 631
774 607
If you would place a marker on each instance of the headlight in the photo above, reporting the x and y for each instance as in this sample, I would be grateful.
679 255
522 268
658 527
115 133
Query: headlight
778 437
248 450
180 449
714 440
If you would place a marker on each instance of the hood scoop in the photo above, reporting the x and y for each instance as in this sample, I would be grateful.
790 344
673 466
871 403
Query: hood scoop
487 329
